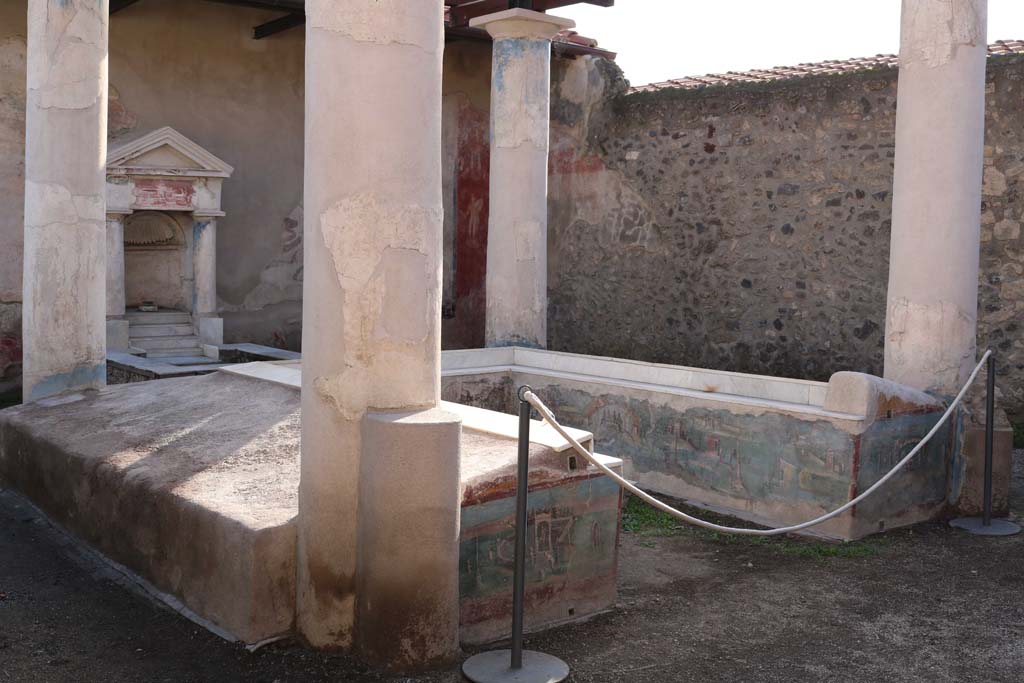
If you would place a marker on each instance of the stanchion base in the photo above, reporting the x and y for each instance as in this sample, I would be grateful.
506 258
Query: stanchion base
494 667
974 525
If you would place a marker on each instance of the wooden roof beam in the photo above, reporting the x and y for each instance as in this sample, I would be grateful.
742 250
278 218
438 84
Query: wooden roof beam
464 10
278 25
118 5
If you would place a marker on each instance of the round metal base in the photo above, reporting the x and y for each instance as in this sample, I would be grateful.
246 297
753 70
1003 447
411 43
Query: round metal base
495 667
974 525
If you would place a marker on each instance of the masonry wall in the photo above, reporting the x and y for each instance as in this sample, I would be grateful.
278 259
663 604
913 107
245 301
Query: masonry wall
747 228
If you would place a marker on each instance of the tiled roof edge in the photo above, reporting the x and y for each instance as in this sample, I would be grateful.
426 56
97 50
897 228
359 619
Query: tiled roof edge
827 68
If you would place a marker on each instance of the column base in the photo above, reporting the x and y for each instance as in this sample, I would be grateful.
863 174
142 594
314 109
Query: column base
972 490
211 330
117 335
407 614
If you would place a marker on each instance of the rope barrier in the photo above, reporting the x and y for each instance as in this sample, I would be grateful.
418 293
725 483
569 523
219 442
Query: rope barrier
549 417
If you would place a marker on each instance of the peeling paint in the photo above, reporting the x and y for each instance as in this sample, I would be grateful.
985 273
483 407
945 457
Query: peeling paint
94 376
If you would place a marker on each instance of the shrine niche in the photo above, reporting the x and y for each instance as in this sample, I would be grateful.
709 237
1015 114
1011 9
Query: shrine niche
163 202
157 267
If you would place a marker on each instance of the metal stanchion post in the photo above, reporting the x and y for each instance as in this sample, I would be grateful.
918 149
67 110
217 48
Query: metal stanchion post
517 665
985 525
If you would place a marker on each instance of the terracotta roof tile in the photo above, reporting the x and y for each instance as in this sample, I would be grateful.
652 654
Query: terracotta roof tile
826 68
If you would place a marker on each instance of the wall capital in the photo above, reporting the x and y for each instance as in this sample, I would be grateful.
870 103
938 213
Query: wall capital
521 23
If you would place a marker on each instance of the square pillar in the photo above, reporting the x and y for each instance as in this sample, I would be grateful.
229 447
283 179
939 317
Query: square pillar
932 301
378 533
517 247
64 282
117 325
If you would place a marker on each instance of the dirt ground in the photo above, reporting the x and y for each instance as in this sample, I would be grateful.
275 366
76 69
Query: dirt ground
924 604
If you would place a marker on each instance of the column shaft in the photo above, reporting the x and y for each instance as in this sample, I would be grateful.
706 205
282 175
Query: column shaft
371 339
204 245
940 130
64 282
517 292
115 265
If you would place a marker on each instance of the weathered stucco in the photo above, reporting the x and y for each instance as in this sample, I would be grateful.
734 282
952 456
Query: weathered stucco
747 227
64 274
378 495
931 322
517 289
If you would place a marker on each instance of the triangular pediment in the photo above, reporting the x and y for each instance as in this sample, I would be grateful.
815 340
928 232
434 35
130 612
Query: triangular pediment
166 151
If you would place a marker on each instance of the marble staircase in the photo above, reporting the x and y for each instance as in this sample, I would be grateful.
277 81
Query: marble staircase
164 334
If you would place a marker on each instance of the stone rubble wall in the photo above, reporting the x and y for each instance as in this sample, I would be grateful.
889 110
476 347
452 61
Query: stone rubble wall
747 227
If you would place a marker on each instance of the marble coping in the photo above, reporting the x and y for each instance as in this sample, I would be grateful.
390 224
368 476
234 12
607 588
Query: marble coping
847 396
289 374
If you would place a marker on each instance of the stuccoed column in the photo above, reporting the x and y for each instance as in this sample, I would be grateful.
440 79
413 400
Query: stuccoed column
117 326
64 281
517 289
204 259
379 490
940 129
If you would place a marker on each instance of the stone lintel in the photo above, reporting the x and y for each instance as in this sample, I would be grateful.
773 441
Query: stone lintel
521 23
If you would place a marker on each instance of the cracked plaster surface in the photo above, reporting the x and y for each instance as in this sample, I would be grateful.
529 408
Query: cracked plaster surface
363 23
963 21
938 337
382 253
522 99
63 73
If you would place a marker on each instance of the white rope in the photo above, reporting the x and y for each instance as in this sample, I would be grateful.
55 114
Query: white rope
549 417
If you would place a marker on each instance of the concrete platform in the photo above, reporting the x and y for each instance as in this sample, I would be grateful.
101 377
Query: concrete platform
192 483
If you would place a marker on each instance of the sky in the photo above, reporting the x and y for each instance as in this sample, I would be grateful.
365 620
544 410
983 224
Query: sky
662 39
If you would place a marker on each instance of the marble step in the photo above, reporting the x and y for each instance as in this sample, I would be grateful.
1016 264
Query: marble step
180 352
168 330
161 343
158 317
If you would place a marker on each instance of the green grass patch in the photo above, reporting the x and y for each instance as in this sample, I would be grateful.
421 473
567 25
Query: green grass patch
640 519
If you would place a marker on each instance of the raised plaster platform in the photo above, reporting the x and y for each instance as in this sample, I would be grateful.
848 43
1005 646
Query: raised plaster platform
770 450
192 483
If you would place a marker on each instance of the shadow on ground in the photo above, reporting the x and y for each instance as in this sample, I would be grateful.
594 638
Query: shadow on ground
924 604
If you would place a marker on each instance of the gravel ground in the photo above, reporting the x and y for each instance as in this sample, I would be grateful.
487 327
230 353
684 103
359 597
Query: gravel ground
924 604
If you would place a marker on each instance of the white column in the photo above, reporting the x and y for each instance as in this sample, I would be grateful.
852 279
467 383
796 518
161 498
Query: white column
64 285
115 265
517 289
379 491
209 325
204 261
940 132
117 325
